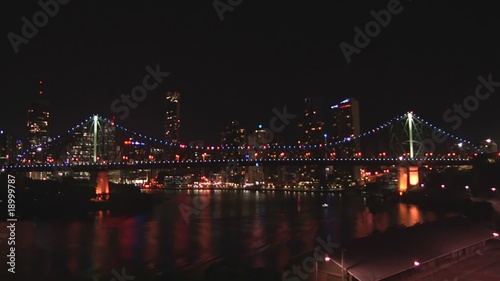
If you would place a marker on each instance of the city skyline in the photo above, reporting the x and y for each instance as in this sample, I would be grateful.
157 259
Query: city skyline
293 133
250 140
231 70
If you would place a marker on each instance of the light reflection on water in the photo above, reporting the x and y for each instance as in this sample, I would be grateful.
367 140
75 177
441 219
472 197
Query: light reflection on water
263 229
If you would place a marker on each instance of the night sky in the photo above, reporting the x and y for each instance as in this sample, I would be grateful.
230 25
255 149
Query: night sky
262 56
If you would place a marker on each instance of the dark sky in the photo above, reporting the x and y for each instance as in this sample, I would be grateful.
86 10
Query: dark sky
262 56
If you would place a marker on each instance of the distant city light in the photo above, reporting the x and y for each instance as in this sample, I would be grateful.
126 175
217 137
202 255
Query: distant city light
493 189
260 126
460 144
488 140
466 187
442 186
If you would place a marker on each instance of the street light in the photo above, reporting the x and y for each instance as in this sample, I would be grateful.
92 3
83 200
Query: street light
495 234
326 259
416 263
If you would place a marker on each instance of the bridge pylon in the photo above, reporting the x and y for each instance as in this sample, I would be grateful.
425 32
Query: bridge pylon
408 177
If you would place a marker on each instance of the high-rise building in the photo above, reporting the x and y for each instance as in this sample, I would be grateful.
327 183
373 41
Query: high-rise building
311 132
259 138
82 148
133 150
172 116
345 125
233 136
38 125
8 148
311 128
196 154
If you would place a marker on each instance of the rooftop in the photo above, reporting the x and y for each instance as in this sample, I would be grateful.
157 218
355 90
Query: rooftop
380 256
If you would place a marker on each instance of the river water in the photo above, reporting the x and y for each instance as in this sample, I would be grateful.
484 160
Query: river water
188 231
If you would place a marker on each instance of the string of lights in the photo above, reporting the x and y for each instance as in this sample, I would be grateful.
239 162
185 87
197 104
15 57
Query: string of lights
53 141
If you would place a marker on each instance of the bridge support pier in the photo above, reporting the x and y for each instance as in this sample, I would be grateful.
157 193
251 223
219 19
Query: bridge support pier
102 183
407 177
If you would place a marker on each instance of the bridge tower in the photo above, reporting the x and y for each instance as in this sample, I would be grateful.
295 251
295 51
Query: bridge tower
102 179
407 142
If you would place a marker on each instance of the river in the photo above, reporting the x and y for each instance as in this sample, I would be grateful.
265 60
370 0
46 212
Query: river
188 231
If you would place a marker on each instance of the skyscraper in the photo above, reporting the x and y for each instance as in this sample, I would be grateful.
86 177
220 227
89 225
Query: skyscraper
82 147
8 151
311 128
345 125
311 132
233 135
260 137
172 116
38 125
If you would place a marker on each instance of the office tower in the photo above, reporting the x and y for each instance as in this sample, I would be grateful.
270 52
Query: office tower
8 148
311 128
259 138
311 132
196 154
345 125
233 136
82 146
38 126
172 116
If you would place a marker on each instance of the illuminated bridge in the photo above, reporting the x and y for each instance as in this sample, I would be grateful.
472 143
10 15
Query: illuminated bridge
99 143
